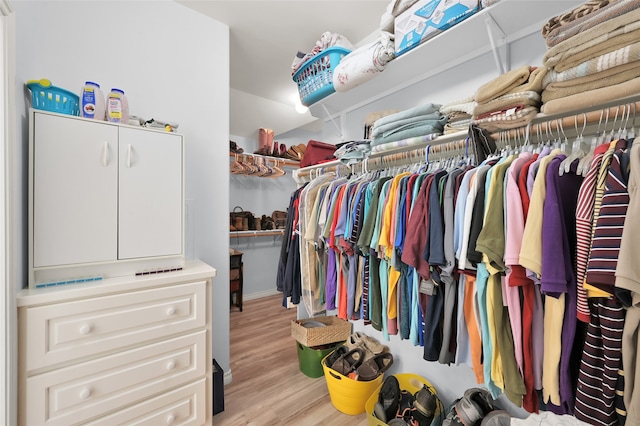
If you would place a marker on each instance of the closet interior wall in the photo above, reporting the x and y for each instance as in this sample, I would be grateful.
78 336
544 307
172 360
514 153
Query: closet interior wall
260 196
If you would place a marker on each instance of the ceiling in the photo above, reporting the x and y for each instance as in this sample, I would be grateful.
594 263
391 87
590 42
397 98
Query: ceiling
264 38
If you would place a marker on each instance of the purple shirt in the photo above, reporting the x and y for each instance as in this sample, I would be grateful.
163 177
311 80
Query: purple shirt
558 271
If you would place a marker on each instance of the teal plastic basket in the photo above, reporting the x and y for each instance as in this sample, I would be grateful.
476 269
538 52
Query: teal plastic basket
46 97
315 76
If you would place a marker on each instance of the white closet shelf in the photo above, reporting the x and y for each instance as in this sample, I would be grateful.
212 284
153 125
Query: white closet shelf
265 233
507 20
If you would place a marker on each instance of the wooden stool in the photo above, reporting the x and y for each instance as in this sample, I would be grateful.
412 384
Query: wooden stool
235 279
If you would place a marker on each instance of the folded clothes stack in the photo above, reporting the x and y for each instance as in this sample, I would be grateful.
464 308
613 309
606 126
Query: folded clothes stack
509 101
593 55
415 122
458 114
353 152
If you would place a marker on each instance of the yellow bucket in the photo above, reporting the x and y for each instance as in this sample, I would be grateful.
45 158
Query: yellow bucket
347 395
409 382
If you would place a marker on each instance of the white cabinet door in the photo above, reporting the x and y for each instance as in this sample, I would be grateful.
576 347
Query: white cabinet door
75 191
150 194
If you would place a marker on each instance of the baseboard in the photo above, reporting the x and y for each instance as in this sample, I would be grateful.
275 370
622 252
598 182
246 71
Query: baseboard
227 377
260 294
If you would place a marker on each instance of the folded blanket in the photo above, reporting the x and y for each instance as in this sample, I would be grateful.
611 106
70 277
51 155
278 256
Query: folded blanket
598 50
502 84
465 105
592 98
508 119
583 10
457 115
364 63
427 108
617 28
590 82
623 56
534 83
418 140
399 125
528 98
461 126
419 130
588 21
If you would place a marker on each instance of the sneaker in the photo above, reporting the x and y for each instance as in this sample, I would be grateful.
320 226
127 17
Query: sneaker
425 405
388 399
474 405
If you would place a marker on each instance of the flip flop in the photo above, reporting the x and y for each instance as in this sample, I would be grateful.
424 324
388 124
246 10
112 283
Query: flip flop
374 367
348 362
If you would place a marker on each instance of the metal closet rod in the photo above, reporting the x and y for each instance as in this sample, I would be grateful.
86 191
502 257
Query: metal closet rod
541 125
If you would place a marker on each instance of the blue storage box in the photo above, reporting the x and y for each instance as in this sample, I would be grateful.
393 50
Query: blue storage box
428 18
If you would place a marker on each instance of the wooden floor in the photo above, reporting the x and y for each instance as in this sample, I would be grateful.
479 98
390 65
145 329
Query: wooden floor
268 387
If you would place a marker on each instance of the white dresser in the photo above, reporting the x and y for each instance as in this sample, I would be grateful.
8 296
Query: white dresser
125 350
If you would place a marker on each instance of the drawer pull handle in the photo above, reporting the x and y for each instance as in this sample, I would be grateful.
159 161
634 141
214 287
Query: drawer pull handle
171 311
170 419
85 329
85 393
171 365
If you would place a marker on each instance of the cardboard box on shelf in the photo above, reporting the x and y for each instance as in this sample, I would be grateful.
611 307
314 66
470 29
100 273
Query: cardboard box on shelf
428 18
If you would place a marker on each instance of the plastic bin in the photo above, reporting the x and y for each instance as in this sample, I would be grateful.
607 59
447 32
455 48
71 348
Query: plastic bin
46 97
409 382
347 395
310 358
315 77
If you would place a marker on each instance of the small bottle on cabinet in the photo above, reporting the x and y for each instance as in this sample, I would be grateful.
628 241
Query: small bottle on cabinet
117 107
92 101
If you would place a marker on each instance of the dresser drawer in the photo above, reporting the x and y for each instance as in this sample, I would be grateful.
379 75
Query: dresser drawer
88 390
63 332
184 406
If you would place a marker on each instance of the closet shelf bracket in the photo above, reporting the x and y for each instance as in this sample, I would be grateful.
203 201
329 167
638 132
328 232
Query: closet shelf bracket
498 41
339 129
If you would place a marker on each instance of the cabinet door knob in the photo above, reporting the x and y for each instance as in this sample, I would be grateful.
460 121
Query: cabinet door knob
170 419
129 156
85 393
85 329
171 365
171 311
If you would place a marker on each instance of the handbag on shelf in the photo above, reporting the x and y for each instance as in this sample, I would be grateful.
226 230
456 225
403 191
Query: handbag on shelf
317 152
241 220
279 218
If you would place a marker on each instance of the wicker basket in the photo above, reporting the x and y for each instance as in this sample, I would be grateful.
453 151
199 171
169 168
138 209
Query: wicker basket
335 330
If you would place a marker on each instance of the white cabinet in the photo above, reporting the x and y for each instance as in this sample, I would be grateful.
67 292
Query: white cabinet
102 194
131 350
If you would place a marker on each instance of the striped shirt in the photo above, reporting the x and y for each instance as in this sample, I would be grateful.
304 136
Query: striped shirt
584 217
608 232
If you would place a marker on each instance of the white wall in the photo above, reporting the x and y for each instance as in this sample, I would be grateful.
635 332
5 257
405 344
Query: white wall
173 64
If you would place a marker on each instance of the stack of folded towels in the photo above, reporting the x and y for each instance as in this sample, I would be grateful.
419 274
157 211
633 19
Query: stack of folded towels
593 55
424 122
509 101
458 114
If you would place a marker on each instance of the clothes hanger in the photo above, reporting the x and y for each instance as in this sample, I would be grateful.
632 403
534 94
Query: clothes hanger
577 149
585 162
609 136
